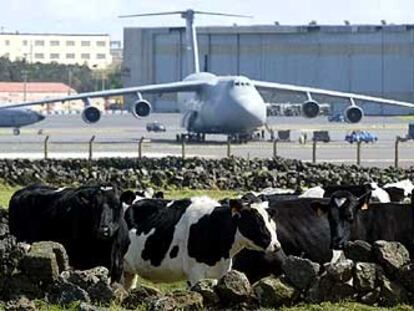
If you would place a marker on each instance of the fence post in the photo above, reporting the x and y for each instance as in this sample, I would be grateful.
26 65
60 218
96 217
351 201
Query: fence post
91 147
141 141
396 159
183 146
274 148
46 146
314 151
228 147
358 159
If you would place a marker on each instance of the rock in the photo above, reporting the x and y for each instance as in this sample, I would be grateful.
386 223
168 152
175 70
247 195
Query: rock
139 295
406 276
206 288
4 223
10 255
274 292
63 293
391 256
371 297
301 272
328 288
19 284
234 287
44 262
176 300
392 293
21 304
366 276
359 251
340 271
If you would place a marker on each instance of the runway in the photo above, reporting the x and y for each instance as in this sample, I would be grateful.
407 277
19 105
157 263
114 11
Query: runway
118 135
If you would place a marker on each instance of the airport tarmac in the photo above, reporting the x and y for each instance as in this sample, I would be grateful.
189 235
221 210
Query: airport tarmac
118 135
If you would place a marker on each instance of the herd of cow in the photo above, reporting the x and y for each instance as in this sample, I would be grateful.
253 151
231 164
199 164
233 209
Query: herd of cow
191 239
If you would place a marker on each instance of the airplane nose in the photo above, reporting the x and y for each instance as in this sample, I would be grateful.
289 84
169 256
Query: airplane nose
40 117
254 112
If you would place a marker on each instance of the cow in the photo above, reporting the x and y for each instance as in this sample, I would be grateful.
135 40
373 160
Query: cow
88 221
301 232
399 191
192 239
351 219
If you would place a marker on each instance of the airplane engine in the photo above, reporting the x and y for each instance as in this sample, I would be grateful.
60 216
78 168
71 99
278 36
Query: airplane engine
353 114
141 108
310 109
91 115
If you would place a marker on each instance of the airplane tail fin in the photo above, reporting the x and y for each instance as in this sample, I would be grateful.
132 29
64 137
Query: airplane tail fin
192 46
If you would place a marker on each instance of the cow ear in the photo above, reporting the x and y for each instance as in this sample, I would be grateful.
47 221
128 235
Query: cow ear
320 208
235 206
127 197
158 195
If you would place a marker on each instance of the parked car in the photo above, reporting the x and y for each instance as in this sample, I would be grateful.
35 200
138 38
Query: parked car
156 127
336 118
321 136
362 136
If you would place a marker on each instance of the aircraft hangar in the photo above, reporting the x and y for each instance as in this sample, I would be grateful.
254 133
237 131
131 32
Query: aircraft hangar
368 59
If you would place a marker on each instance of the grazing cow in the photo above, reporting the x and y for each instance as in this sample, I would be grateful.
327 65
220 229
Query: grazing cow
399 191
350 219
193 238
301 232
88 221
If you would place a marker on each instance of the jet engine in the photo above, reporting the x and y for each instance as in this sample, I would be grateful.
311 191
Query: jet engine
141 108
91 115
353 114
310 109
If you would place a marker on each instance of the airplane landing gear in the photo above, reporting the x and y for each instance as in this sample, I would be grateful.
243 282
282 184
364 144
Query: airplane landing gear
240 138
16 131
192 137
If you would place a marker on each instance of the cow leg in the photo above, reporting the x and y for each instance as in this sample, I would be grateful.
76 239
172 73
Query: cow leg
129 280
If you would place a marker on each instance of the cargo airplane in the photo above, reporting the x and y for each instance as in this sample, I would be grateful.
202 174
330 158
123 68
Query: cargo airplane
210 104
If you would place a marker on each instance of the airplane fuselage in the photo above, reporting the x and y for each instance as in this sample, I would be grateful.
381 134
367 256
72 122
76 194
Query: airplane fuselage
225 105
17 118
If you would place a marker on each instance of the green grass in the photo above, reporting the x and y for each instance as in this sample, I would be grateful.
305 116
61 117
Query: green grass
342 306
5 194
185 193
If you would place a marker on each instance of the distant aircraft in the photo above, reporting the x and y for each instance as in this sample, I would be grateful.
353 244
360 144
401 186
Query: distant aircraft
211 104
17 118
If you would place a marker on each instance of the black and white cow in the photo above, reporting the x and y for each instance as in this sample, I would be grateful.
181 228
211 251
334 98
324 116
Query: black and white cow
301 232
399 191
192 239
351 219
88 221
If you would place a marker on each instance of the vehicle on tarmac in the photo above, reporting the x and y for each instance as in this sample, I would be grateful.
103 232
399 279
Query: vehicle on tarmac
361 136
156 127
338 117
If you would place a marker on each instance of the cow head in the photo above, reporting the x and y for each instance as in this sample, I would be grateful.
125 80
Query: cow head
106 210
341 211
255 225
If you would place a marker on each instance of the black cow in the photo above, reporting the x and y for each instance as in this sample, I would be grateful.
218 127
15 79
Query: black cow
350 219
301 232
88 221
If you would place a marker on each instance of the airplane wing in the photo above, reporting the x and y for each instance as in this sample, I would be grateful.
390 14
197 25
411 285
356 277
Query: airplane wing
181 86
309 91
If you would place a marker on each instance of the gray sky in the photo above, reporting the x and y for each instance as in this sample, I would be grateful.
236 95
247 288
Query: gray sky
100 16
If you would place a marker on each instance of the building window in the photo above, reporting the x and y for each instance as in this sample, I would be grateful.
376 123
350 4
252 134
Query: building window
86 43
85 56
70 43
7 42
39 43
54 56
100 43
100 56
25 42
54 43
39 55
70 55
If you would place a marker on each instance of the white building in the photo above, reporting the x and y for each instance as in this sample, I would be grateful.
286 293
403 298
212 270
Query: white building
93 50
